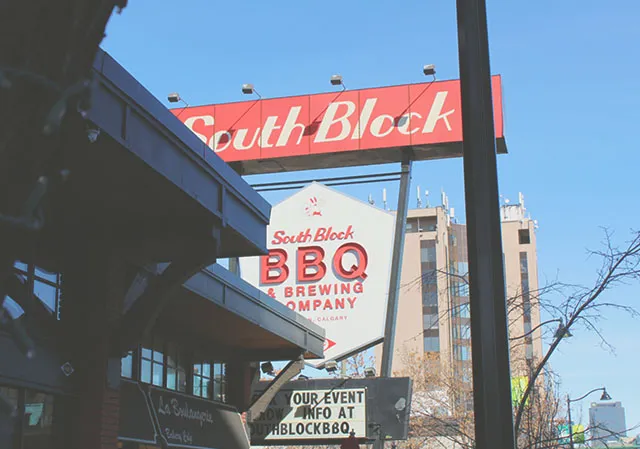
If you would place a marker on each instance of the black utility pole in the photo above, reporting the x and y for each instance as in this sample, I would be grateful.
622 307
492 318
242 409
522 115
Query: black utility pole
490 346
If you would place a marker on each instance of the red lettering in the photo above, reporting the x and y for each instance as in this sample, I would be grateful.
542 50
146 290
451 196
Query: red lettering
304 306
320 235
279 265
339 303
316 303
325 289
356 271
291 305
300 290
328 305
288 292
277 237
311 257
312 290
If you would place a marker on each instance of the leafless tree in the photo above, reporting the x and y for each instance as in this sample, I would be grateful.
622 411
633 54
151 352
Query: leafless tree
585 305
535 413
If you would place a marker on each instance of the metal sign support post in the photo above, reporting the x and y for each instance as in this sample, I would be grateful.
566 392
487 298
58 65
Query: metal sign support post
490 345
396 271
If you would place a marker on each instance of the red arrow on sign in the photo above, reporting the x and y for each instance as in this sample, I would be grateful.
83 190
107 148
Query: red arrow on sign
328 344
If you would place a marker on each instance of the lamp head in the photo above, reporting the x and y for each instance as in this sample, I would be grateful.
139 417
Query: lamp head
429 70
331 366
247 89
267 368
173 97
336 80
605 396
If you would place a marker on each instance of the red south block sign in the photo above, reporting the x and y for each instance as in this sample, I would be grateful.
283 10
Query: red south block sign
414 115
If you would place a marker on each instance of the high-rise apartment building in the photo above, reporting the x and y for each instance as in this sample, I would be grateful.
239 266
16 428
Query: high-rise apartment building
607 422
433 310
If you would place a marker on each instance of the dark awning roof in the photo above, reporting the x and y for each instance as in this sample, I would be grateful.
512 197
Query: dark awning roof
218 308
148 183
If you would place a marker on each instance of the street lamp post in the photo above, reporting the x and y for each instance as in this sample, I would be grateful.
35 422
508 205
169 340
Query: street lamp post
605 397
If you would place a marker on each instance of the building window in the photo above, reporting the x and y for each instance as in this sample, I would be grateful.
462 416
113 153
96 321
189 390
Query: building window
126 366
465 310
421 224
465 330
412 225
38 423
209 380
463 353
219 382
152 363
167 365
429 295
431 344
176 369
428 252
431 340
43 284
524 237
35 430
429 321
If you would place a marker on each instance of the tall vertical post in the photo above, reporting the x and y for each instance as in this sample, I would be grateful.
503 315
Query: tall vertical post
396 266
571 445
490 347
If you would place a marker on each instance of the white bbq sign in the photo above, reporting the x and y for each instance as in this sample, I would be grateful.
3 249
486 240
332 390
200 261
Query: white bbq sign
312 415
329 260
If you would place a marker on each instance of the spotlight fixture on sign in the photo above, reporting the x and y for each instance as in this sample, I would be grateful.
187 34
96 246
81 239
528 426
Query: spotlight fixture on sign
430 70
248 89
370 372
267 368
331 366
336 80
175 97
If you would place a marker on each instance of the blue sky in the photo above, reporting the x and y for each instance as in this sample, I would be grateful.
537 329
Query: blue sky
570 96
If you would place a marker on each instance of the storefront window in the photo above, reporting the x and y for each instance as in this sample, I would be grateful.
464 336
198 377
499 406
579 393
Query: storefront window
126 367
152 363
38 421
219 385
201 379
168 365
176 369
209 380
35 428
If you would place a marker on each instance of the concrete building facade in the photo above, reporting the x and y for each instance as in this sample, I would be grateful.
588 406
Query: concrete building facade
433 310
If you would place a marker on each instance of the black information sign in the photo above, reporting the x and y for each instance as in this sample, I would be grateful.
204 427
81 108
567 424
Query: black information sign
323 411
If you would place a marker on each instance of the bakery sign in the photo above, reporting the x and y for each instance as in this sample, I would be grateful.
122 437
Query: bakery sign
329 260
170 419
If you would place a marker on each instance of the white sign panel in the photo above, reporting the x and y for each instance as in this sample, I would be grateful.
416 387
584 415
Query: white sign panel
312 415
329 260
